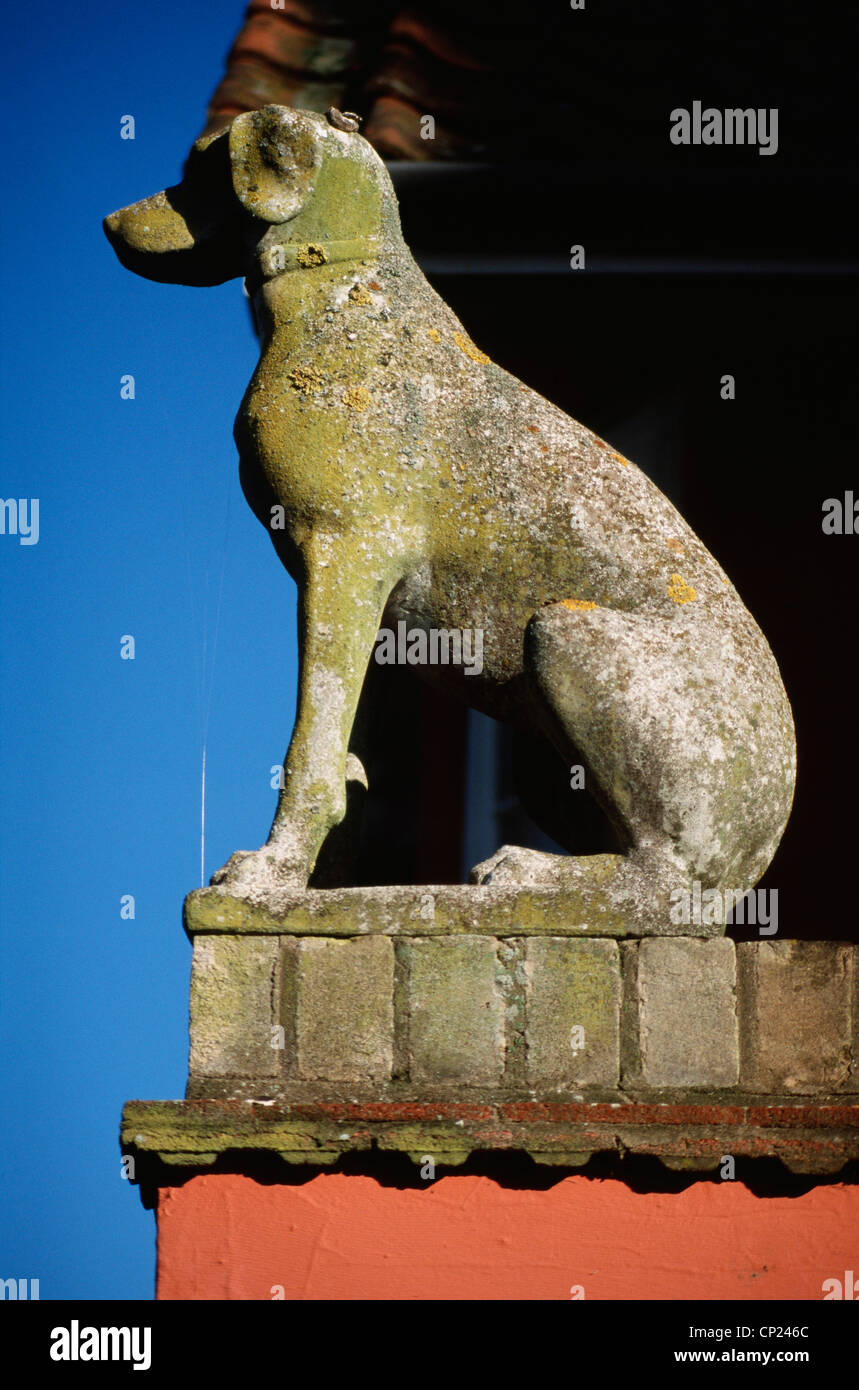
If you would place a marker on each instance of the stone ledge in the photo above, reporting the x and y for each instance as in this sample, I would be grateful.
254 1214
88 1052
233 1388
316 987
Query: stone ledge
807 1139
426 910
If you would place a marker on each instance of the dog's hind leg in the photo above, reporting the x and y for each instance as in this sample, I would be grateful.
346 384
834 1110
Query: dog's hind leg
687 739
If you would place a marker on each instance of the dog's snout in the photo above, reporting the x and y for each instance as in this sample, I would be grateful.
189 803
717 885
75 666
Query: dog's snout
168 237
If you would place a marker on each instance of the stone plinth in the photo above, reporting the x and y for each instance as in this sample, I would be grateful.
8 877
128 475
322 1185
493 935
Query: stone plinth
422 1021
427 910
409 997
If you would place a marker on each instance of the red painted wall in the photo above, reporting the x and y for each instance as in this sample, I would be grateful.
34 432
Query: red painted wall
224 1236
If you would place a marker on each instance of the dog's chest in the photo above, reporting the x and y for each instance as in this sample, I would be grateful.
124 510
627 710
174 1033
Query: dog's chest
312 433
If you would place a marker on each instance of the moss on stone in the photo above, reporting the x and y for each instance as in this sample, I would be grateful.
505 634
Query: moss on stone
506 911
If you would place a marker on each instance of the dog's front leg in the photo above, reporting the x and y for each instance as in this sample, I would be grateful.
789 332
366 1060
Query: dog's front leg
347 583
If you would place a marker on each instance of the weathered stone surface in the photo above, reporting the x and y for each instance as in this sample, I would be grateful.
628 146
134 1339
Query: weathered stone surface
344 1016
418 481
572 985
809 1138
417 1017
797 999
233 979
686 995
456 1012
504 910
512 981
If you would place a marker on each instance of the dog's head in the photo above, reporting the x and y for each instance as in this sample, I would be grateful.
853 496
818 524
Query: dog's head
290 176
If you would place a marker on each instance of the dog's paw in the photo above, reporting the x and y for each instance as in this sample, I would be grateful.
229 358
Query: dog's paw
222 875
260 875
526 867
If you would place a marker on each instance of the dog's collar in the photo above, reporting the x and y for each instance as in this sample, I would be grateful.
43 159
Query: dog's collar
275 260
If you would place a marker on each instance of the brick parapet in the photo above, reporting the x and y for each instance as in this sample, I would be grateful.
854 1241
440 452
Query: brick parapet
470 1016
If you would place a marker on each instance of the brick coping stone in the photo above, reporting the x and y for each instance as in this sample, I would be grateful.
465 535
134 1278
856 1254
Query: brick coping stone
818 1137
422 910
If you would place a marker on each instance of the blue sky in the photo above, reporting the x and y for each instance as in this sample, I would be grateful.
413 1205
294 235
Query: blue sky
141 525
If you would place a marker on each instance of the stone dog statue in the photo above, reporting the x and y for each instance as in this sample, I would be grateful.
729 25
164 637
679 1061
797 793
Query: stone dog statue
417 481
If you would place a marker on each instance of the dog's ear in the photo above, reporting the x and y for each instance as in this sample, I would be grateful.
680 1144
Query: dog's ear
274 155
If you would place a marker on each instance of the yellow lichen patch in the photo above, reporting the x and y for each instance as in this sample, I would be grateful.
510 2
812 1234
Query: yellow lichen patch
675 545
311 255
359 294
578 605
679 591
306 379
620 458
434 334
357 398
469 349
